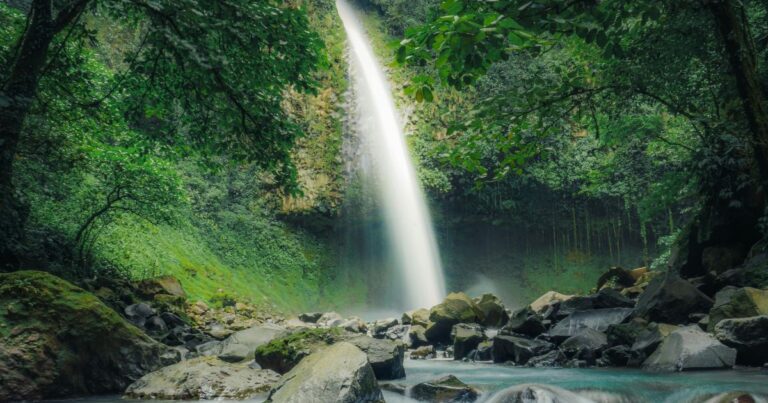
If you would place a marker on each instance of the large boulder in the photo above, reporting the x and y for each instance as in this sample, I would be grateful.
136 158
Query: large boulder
240 346
416 317
443 390
554 358
749 336
517 349
670 299
386 357
417 336
456 308
339 373
585 344
597 319
283 353
731 302
59 340
203 378
525 322
534 393
466 337
549 298
690 348
649 338
162 285
493 312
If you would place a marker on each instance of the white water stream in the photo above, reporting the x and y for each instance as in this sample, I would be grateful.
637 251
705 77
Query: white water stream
405 209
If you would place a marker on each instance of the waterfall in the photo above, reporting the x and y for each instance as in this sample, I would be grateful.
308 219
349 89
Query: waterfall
406 215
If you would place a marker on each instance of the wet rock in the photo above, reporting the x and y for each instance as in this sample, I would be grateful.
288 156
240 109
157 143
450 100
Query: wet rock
619 356
203 378
649 339
610 298
417 336
241 345
465 338
552 359
670 299
493 312
417 317
731 302
423 353
386 357
330 319
585 343
172 320
398 332
139 313
690 348
456 308
380 327
535 393
444 389
310 317
517 349
167 285
749 336
483 352
597 319
625 333
735 397
354 324
573 305
155 325
549 298
339 373
63 341
524 322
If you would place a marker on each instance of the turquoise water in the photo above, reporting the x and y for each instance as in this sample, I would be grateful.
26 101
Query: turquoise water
612 385
602 385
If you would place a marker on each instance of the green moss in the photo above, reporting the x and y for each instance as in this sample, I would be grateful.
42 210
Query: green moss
284 353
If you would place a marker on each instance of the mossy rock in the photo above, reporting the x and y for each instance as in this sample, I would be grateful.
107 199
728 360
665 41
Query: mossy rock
282 354
456 308
732 302
59 340
165 285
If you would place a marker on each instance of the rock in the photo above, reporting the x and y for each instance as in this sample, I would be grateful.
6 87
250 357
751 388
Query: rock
330 319
493 312
649 339
240 345
575 304
597 319
549 298
310 317
386 357
625 333
339 373
610 298
735 397
731 302
398 332
524 322
670 299
172 320
298 324
456 308
534 393
586 344
155 325
380 327
619 356
518 349
354 324
552 359
417 317
203 378
167 285
483 352
139 313
422 353
417 336
690 348
59 340
283 353
465 338
198 308
749 336
444 389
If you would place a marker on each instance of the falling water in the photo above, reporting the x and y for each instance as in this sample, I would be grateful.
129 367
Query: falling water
405 210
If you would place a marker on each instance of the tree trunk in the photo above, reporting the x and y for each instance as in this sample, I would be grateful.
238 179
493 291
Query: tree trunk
732 22
16 99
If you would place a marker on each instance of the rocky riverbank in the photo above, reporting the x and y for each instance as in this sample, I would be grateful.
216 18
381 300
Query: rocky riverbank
145 340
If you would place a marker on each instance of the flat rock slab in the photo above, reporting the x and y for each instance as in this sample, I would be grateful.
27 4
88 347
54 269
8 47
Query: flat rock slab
690 348
203 378
596 319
